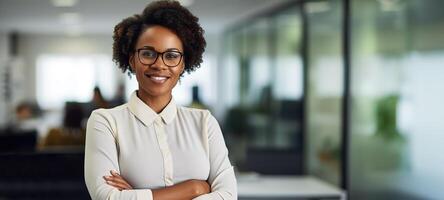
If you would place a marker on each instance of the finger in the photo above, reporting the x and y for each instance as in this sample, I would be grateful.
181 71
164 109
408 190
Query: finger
117 185
118 179
123 182
114 173
115 179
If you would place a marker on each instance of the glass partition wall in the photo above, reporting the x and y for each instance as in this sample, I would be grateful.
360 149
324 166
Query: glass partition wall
396 129
263 117
286 75
325 89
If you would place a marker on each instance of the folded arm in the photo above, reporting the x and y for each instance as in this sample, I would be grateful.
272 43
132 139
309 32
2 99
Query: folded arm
186 190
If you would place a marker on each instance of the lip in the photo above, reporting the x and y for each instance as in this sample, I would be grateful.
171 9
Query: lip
157 78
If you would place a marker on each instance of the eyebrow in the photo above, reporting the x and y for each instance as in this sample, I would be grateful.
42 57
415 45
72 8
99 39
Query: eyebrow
169 49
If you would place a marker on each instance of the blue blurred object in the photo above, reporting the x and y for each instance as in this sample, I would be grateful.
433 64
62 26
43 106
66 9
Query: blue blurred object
18 141
274 161
42 176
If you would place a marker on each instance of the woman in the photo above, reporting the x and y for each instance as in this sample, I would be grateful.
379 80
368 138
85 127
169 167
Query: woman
150 148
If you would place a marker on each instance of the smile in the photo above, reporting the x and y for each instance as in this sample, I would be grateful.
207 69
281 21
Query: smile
157 79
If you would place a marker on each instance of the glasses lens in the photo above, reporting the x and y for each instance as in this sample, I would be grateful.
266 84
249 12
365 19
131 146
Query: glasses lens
171 58
147 56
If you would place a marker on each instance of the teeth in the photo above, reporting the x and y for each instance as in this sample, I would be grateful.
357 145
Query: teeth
158 78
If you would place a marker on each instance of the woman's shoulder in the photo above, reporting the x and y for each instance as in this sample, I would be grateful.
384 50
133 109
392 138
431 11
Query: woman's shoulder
203 115
109 117
193 111
109 112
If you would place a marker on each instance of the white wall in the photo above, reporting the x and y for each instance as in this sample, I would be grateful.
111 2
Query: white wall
4 52
4 43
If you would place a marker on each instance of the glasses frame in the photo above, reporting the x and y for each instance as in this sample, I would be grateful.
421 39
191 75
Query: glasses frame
159 54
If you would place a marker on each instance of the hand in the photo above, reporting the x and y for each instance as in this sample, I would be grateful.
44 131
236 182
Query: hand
200 187
189 189
117 181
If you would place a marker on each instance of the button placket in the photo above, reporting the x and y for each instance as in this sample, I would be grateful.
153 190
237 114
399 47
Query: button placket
165 150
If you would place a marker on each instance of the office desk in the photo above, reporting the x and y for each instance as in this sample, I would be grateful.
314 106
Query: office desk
286 187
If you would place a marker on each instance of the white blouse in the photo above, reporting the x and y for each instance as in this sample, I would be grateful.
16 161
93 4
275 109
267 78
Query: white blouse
153 150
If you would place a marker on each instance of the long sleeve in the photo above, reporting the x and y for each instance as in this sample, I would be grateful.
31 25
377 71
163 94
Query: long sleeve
222 178
101 156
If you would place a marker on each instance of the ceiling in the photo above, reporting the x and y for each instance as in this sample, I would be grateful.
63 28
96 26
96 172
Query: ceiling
100 16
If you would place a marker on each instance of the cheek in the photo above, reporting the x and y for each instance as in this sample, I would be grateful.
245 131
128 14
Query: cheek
177 75
140 75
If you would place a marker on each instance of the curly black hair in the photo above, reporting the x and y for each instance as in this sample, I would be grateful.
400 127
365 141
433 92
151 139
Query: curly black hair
166 13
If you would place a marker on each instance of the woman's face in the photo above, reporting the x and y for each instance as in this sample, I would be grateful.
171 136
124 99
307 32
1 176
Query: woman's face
157 79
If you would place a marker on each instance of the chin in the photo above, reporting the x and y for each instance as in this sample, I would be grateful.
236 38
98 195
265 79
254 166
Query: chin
156 93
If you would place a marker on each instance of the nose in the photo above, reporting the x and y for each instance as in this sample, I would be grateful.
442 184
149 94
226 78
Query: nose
158 64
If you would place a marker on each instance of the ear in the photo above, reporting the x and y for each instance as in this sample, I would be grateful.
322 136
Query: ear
182 69
132 63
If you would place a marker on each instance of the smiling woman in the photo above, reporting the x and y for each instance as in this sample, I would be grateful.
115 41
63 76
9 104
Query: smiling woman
151 148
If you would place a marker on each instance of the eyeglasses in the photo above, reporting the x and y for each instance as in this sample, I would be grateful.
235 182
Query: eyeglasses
150 56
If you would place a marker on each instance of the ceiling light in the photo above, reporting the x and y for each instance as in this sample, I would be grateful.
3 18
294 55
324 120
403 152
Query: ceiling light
63 3
70 18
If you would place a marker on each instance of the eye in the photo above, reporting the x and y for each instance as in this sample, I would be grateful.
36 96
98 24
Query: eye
171 55
148 54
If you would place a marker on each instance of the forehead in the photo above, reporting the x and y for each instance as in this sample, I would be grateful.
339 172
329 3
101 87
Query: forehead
160 38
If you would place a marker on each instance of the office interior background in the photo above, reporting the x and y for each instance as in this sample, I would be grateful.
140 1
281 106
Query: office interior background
348 91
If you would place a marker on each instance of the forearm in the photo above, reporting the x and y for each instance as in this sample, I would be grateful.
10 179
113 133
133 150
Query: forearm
182 191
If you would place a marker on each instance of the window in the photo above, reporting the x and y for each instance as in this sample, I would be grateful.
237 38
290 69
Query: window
62 78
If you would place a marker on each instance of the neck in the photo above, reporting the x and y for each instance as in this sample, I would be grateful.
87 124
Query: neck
157 103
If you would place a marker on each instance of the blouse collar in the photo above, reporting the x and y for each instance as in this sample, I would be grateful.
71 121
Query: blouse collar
147 115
